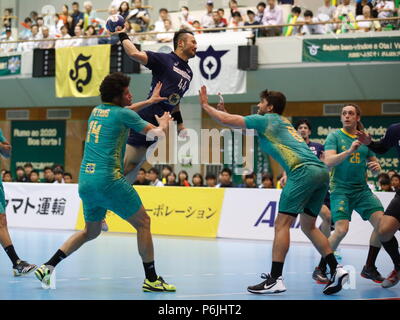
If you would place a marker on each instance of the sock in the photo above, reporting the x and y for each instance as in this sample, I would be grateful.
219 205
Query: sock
276 270
372 255
392 248
332 263
322 265
56 259
12 254
150 271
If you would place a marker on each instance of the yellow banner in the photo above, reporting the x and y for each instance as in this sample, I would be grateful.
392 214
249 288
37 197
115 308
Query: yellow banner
176 211
80 70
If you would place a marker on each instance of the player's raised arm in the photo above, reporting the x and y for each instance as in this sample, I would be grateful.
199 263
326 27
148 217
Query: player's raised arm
130 48
5 149
224 118
155 98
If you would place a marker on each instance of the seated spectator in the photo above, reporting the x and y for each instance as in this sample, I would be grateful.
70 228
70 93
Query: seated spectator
197 26
236 21
327 9
76 40
28 168
67 177
385 9
64 35
34 176
183 178
166 37
34 16
345 13
89 17
391 173
221 12
171 180
48 42
55 28
266 181
251 21
166 170
225 179
40 24
64 14
139 17
207 20
395 181
159 24
20 175
234 7
7 177
32 44
58 175
26 31
250 181
211 180
217 22
124 9
360 5
365 26
311 28
197 180
384 184
48 175
91 31
260 12
141 178
273 15
77 18
7 17
185 19
293 17
153 177
7 47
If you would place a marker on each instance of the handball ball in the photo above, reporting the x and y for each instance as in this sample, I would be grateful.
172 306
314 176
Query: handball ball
114 21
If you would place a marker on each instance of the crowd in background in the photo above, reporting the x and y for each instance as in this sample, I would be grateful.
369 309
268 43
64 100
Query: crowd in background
71 24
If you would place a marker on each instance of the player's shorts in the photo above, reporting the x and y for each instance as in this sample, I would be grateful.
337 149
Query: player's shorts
98 197
364 201
305 190
393 209
2 200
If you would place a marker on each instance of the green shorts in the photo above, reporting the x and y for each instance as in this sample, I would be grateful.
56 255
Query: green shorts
2 200
305 190
344 202
100 196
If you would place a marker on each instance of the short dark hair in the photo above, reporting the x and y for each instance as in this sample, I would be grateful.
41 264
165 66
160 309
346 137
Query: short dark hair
384 181
276 99
211 176
200 176
28 164
179 36
267 176
154 170
236 14
19 168
67 174
35 171
163 9
303 121
263 4
296 10
168 167
227 170
396 175
47 168
308 13
39 18
58 171
75 3
184 7
141 169
113 86
27 20
250 12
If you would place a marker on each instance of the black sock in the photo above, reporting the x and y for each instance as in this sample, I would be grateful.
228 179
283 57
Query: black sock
150 271
392 248
372 255
12 254
322 265
56 259
332 262
276 270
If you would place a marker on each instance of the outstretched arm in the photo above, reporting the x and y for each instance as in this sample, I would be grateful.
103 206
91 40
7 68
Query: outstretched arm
380 146
224 118
5 149
130 48
155 97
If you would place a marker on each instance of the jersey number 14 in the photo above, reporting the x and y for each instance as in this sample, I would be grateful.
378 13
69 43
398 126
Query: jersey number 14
94 129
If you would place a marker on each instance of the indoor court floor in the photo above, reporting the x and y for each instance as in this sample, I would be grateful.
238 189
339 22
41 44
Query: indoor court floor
202 269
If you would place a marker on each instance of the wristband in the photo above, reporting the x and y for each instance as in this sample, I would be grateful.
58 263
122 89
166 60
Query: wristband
123 36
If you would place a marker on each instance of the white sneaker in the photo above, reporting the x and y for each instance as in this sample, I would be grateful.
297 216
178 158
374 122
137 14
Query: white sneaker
337 280
269 286
391 280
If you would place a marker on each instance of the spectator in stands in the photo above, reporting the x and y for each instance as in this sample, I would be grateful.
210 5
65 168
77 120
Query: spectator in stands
49 42
91 31
67 177
360 5
217 22
77 41
249 181
273 15
166 170
20 175
197 180
7 47
267 181
141 178
159 24
26 32
139 17
40 24
260 12
365 26
345 9
58 175
183 178
55 27
153 177
311 28
77 17
207 20
7 177
7 16
48 175
28 168
293 18
30 45
211 180
64 14
197 26
385 9
384 183
251 21
391 173
124 9
234 7
64 35
185 19
89 17
236 21
166 37
225 179
34 176
34 16
327 9
221 12
395 181
171 180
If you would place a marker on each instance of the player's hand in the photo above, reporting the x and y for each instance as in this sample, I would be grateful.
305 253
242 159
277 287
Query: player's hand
363 137
354 146
155 97
203 98
374 166
120 29
164 119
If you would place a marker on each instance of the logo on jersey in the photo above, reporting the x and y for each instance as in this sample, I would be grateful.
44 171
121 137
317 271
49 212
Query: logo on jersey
74 73
174 99
210 62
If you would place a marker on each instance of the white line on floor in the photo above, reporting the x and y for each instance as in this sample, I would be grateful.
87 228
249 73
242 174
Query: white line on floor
105 278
